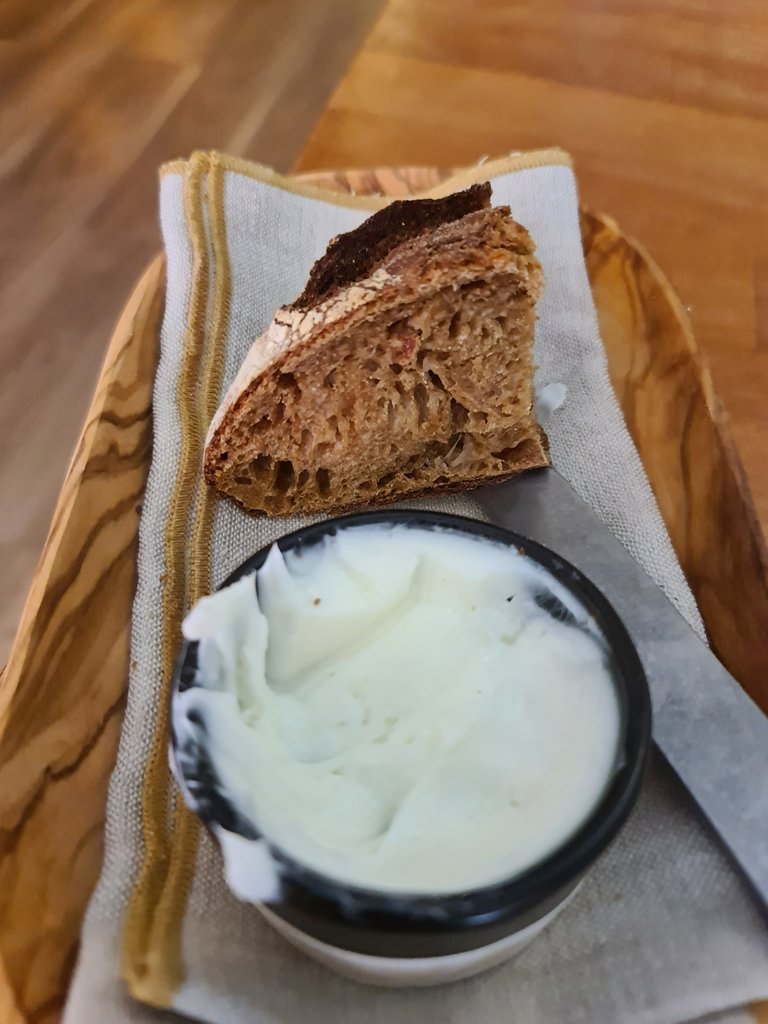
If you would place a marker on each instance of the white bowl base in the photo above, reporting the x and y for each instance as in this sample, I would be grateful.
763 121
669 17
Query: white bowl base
407 972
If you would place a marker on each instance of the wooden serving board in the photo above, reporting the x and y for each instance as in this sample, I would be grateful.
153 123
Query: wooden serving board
61 695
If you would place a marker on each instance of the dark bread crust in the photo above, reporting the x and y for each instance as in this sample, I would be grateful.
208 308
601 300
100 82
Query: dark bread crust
354 255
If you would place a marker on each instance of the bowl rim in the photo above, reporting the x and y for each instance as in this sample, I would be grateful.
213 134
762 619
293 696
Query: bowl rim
506 898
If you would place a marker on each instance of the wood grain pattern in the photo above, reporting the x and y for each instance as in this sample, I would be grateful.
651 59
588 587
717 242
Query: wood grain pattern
684 439
61 696
663 105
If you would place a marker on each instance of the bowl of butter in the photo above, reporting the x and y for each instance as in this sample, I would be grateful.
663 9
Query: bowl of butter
411 734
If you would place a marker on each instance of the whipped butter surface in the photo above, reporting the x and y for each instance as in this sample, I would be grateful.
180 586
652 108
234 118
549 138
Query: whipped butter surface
403 709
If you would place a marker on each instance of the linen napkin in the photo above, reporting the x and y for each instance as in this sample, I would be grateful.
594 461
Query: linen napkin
663 930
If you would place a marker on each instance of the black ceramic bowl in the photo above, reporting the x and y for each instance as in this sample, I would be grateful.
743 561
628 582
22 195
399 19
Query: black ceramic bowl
385 924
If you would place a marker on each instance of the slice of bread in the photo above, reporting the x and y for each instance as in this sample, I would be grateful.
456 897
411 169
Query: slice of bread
404 368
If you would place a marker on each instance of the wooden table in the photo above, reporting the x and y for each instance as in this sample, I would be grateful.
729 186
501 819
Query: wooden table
96 94
664 107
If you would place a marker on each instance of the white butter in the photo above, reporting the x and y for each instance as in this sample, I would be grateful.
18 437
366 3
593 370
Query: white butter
399 713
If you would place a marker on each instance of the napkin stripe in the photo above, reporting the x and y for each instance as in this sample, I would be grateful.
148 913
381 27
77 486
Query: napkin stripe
164 942
150 956
213 371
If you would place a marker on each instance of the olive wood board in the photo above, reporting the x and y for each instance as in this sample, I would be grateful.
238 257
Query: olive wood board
62 692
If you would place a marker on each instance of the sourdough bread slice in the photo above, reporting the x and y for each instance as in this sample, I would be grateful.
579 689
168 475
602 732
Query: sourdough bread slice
405 367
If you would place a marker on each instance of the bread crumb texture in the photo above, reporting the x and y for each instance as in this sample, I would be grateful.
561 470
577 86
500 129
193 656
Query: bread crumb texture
417 378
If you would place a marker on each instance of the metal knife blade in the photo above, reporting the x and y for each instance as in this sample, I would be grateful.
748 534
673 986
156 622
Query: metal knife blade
713 736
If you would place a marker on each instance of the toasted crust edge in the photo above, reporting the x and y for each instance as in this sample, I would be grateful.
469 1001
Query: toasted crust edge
354 255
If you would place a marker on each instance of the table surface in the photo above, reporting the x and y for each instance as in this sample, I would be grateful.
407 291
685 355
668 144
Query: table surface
664 107
445 82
